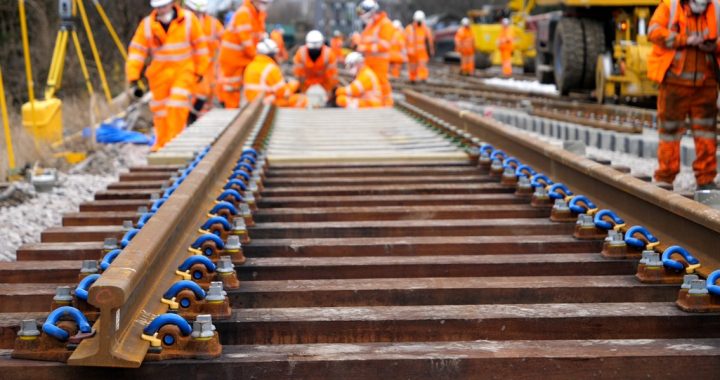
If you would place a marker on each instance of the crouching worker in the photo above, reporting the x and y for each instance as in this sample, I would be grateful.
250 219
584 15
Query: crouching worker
264 77
365 90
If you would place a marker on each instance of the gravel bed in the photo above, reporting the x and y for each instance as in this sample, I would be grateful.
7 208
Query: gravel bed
23 223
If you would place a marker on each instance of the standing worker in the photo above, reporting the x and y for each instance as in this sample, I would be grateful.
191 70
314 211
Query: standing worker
315 63
465 46
375 42
506 44
264 76
420 47
684 60
174 41
237 49
398 52
213 30
278 35
336 44
365 90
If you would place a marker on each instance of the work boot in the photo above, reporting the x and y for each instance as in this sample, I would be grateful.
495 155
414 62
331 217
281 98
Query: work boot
663 185
707 186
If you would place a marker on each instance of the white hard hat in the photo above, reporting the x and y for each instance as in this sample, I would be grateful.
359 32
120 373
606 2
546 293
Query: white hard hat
367 9
354 59
267 47
159 3
465 21
337 33
314 39
506 21
197 5
397 24
419 16
261 5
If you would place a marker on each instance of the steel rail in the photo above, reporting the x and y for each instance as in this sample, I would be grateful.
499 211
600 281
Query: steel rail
672 217
128 294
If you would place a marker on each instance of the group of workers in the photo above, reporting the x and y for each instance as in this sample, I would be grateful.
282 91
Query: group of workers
190 59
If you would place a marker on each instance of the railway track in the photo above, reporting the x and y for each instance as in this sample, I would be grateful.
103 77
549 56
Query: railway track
379 248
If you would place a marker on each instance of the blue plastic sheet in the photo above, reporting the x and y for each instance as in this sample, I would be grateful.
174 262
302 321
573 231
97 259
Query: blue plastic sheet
113 132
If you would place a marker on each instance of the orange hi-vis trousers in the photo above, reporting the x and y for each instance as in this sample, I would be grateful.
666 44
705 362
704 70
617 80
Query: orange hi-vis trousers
467 64
170 106
417 68
675 104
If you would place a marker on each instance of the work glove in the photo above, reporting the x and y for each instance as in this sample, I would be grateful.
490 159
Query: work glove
694 40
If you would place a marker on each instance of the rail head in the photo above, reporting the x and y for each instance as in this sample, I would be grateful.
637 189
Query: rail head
669 215
128 294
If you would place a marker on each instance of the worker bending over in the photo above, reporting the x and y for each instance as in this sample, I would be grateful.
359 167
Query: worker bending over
465 46
375 43
173 40
365 91
315 63
237 49
277 35
684 60
336 44
420 47
398 52
506 44
213 31
263 76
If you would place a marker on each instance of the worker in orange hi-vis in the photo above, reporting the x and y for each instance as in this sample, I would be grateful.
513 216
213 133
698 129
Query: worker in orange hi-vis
398 52
237 49
465 46
315 64
355 40
213 30
420 47
336 44
173 40
364 91
684 61
375 44
277 35
506 44
263 77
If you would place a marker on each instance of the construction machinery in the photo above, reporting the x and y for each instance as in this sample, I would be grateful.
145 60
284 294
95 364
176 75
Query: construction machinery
486 26
598 46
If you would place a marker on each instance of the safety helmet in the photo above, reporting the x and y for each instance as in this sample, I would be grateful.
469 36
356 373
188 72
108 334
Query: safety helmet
419 16
197 5
699 6
337 33
465 21
261 5
506 21
367 9
314 39
159 3
397 24
354 59
267 47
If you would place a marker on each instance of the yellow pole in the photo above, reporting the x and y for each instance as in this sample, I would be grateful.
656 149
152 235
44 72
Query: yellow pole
28 62
6 125
111 29
93 47
83 66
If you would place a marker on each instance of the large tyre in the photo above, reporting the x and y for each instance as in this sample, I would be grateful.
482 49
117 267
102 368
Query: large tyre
482 61
594 34
528 65
568 55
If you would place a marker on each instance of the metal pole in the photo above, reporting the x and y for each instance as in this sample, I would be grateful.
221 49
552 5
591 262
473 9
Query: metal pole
6 125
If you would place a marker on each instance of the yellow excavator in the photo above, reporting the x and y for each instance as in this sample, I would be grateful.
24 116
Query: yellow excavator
597 46
486 26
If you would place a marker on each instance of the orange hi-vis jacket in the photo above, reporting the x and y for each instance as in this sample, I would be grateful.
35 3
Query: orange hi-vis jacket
336 44
375 43
277 36
669 29
182 49
363 92
322 71
417 39
213 30
398 50
506 39
465 41
263 75
237 49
